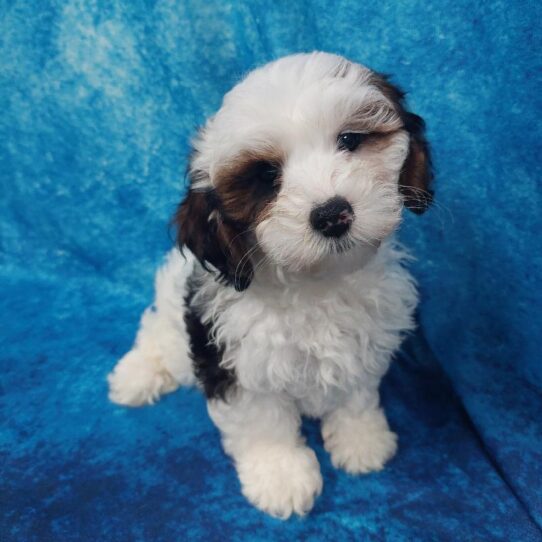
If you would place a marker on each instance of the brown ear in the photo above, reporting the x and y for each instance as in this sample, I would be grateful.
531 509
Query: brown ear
416 175
202 229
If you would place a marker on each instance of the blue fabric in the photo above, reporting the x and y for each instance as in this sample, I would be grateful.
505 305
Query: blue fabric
98 101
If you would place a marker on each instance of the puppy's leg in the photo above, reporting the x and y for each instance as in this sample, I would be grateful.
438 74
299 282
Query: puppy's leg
159 361
278 473
357 434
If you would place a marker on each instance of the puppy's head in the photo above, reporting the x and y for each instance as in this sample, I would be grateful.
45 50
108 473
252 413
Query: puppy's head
308 164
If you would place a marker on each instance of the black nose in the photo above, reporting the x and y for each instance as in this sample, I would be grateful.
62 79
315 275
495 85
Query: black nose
333 218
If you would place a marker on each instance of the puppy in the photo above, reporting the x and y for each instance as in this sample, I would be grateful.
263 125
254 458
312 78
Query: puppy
291 297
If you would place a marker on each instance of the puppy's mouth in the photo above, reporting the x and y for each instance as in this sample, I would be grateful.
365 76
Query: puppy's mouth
340 256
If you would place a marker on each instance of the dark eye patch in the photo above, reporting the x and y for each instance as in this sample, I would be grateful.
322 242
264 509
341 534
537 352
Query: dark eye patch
260 178
350 141
263 171
247 187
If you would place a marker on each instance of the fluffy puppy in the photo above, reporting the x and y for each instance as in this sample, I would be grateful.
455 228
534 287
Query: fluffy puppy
291 297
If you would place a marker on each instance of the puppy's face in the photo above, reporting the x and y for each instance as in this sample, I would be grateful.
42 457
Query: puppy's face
307 164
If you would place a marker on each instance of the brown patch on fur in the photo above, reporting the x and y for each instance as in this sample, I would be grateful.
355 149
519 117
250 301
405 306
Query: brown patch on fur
191 219
216 224
246 187
416 175
214 241
378 141
376 117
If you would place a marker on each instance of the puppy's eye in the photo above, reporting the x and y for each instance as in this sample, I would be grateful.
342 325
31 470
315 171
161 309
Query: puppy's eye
350 141
261 178
265 172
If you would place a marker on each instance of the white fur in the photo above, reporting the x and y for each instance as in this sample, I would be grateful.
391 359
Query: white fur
278 473
159 361
357 435
316 330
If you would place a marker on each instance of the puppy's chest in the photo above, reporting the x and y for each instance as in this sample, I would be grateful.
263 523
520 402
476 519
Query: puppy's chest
307 320
304 343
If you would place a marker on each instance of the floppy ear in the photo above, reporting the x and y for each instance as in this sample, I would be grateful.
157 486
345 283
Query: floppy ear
416 174
202 228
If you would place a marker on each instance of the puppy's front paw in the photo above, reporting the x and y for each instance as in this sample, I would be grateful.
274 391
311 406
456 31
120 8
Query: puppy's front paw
280 480
137 380
359 444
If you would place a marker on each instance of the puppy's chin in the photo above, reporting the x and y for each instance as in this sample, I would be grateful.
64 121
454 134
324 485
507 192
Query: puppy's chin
344 263
332 265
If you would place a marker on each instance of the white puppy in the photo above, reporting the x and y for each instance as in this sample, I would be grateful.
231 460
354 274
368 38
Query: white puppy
291 297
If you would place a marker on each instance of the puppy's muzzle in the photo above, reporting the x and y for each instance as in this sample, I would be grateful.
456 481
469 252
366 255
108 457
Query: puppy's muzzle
333 218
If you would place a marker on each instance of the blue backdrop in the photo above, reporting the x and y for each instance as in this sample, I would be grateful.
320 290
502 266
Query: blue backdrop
98 100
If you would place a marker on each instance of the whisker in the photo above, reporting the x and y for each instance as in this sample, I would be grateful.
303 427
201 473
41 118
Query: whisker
248 230
263 261
243 261
444 212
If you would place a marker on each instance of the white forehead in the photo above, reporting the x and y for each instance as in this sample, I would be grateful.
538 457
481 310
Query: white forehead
286 102
290 88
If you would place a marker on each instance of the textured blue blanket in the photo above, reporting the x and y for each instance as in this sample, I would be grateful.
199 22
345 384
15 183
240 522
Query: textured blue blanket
97 103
